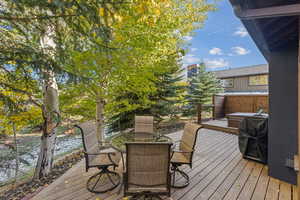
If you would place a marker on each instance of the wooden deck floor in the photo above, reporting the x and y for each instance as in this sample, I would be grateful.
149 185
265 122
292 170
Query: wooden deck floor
219 172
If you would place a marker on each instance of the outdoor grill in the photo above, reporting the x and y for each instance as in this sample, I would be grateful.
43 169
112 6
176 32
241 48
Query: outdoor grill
253 138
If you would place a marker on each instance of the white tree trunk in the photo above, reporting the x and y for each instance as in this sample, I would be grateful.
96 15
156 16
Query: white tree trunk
100 119
51 112
51 121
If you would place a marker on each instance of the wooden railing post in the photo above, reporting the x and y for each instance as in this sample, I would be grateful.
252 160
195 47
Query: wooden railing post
199 112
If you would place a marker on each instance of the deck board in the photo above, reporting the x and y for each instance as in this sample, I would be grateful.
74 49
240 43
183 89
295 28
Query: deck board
219 172
273 189
237 187
261 186
249 186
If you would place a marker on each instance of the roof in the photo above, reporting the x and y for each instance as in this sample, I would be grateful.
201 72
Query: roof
273 24
243 71
244 94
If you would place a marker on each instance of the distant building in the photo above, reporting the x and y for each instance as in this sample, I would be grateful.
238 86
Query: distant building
245 79
192 70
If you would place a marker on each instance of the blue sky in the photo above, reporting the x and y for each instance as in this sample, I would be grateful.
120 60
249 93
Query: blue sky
223 42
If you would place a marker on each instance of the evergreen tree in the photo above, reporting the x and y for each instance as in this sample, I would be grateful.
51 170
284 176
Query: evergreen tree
167 97
201 88
164 101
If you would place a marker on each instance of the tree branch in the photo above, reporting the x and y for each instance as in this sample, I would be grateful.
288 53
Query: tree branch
13 18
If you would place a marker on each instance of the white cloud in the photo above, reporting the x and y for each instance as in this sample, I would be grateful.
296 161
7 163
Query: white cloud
194 49
215 51
190 59
241 31
187 38
240 50
216 63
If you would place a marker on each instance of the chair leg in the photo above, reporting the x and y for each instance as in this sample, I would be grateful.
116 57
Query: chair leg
97 183
175 169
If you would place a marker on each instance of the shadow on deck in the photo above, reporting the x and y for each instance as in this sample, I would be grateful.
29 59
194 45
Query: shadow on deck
219 172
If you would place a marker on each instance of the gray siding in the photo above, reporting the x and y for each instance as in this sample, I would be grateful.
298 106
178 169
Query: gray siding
241 84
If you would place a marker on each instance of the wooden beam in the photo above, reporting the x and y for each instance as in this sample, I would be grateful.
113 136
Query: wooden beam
275 11
230 130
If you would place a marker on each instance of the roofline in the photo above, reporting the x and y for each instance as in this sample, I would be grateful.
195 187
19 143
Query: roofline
249 66
255 74
253 29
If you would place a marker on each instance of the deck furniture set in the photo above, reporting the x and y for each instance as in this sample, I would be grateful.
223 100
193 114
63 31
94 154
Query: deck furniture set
151 161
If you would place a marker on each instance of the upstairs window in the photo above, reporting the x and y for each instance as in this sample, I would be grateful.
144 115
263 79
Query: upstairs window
258 80
227 83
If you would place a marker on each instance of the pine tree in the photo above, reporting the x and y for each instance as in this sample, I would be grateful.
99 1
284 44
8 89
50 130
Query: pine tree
167 96
202 86
164 101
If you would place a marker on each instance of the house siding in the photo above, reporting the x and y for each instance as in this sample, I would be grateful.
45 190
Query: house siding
241 84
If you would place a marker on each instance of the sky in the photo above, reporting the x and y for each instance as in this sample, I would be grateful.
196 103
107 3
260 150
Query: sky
223 42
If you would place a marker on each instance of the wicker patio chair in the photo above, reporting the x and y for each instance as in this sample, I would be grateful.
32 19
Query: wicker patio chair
101 157
143 124
147 170
184 155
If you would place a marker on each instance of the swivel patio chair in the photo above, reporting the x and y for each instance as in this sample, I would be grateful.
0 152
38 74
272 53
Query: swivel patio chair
147 170
184 155
143 124
102 157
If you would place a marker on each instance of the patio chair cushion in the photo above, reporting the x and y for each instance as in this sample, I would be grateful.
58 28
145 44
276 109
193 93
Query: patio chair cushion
179 157
103 159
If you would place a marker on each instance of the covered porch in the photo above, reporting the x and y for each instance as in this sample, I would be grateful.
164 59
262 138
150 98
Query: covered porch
219 172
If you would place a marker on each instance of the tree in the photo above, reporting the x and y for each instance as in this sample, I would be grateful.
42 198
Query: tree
164 101
155 29
36 37
145 40
201 88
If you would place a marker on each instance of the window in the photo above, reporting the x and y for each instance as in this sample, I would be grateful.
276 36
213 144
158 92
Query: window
258 80
227 83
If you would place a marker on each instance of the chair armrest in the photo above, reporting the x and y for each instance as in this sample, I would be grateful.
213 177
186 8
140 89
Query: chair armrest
178 151
183 152
99 153
103 143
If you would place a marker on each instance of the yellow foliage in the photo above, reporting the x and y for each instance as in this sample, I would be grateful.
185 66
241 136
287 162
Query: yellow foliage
101 12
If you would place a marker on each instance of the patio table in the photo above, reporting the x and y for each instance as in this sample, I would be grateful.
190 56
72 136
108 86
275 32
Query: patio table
118 141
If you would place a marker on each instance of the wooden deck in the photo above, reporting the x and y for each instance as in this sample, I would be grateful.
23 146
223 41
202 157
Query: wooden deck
219 172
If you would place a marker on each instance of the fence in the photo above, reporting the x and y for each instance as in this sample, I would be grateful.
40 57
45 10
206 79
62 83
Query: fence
225 104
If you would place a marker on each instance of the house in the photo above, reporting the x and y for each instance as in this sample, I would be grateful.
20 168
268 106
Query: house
274 27
244 79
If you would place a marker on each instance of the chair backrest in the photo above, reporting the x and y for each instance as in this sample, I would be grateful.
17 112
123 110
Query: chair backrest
189 138
147 166
143 124
89 140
